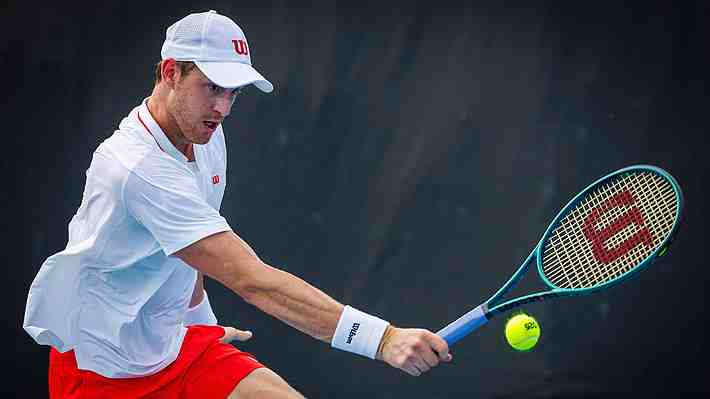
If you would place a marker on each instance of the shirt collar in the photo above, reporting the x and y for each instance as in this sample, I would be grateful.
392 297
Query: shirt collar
146 120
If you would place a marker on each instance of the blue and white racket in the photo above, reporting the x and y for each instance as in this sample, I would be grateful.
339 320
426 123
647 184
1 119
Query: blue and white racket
613 229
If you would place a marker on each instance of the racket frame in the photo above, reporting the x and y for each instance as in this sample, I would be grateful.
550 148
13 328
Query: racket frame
484 312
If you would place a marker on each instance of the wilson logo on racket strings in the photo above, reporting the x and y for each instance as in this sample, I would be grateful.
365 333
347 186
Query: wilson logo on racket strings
353 332
598 238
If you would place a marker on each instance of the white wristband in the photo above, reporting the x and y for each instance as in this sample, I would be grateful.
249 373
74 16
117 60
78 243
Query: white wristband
358 332
201 314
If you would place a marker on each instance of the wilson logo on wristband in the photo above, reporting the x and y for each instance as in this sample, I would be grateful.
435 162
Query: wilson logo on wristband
358 332
353 332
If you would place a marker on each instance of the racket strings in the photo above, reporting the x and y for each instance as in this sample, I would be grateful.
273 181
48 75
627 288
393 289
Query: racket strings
590 275
619 240
611 231
572 276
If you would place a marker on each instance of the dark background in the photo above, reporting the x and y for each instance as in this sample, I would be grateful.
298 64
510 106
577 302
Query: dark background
410 157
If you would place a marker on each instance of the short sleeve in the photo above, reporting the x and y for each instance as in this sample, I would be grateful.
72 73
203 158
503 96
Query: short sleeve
169 204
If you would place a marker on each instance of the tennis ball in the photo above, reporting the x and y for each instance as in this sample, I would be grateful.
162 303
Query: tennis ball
522 332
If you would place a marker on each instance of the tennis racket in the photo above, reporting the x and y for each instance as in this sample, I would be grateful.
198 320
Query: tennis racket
613 229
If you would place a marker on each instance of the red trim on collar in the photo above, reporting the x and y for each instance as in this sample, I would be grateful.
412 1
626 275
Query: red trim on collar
149 132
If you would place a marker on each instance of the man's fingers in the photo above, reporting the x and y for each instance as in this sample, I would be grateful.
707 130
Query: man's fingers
440 346
243 335
412 370
232 334
415 351
421 365
430 358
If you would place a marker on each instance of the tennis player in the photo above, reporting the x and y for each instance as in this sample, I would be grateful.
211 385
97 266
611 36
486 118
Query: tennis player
123 305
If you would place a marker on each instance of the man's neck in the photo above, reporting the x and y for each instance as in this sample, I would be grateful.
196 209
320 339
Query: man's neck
158 110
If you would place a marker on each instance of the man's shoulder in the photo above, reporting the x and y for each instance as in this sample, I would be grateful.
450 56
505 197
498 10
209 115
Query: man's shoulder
123 150
129 145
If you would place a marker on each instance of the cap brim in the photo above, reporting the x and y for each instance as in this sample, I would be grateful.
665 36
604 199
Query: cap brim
234 74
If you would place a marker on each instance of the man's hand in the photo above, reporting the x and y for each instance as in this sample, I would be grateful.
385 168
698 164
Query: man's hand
231 334
412 350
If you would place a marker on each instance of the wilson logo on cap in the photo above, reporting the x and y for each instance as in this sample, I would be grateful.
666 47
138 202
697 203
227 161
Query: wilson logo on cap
215 179
240 46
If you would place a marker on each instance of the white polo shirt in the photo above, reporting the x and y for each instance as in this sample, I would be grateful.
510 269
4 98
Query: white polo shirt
115 295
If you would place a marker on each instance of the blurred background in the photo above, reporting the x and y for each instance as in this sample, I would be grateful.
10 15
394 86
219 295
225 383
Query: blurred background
409 158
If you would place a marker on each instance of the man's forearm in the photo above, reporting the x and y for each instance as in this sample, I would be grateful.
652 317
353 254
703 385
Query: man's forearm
293 301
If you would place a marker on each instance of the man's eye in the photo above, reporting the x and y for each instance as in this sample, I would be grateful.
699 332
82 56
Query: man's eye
215 89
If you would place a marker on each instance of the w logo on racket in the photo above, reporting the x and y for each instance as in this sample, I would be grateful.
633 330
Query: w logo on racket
599 238
240 46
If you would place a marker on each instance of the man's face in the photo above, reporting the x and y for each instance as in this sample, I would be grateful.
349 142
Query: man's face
199 106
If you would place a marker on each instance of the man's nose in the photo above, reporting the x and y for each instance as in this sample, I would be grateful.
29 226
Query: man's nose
223 105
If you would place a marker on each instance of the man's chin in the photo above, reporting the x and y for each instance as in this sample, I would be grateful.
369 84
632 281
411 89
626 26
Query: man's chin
202 137
202 140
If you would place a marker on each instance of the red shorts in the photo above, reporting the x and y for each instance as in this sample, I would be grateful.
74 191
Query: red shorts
205 368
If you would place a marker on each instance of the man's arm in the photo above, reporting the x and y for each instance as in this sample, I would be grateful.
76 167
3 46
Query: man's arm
229 260
198 293
200 309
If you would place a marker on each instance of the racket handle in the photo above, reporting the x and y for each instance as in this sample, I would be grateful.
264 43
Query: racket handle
464 325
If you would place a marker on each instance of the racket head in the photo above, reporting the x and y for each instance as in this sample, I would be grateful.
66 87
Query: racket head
610 231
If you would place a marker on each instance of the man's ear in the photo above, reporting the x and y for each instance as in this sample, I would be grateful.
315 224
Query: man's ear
170 71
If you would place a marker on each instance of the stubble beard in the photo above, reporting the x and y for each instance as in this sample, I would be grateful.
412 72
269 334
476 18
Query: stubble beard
190 132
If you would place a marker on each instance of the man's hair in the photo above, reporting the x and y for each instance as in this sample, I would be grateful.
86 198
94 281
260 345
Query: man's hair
185 68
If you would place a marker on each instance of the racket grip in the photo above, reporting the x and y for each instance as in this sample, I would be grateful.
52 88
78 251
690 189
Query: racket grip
464 325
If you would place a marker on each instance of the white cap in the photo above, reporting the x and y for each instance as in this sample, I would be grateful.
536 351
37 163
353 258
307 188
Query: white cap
217 46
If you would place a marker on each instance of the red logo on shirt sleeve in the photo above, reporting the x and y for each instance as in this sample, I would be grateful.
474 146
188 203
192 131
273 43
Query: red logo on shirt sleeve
215 179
